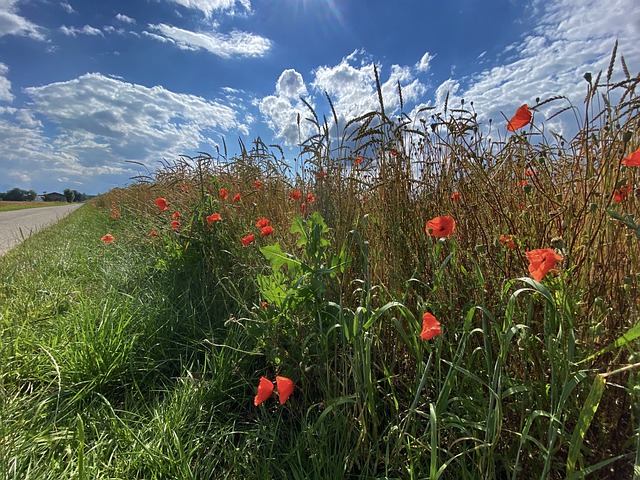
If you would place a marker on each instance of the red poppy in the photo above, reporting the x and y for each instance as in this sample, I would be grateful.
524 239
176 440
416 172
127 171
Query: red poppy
257 184
541 261
224 193
285 388
175 224
358 160
266 231
176 215
246 240
115 213
440 227
153 233
184 188
620 194
265 305
455 197
265 389
161 203
523 183
529 173
262 222
430 327
522 117
508 241
632 160
295 195
321 174
214 217
393 153
108 238
303 206
310 198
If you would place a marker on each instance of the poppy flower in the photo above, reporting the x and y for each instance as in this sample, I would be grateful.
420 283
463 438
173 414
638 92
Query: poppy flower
262 222
265 305
175 224
529 173
632 160
176 215
295 195
236 197
508 241
265 389
266 231
184 188
310 198
161 203
393 153
541 261
214 217
358 160
246 240
303 206
455 197
620 194
257 184
154 233
115 213
440 227
108 238
285 388
522 117
523 183
321 174
223 193
430 327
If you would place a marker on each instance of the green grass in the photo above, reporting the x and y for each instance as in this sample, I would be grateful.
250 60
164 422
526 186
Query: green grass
6 206
140 358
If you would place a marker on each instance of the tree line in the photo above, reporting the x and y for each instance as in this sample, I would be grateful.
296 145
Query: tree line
20 195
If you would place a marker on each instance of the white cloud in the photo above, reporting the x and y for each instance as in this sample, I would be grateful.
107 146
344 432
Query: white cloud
11 23
125 19
235 44
86 30
208 7
67 7
5 84
425 62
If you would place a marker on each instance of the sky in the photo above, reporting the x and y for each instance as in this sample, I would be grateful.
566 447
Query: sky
89 90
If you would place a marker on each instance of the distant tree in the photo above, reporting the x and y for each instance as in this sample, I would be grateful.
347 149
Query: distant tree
18 195
69 194
80 197
32 195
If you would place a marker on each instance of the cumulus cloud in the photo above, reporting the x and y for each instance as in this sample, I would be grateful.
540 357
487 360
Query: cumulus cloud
5 84
425 62
11 23
208 7
125 19
86 30
235 44
67 7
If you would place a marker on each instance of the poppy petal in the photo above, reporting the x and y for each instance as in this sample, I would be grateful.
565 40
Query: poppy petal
285 388
430 327
522 117
265 389
632 160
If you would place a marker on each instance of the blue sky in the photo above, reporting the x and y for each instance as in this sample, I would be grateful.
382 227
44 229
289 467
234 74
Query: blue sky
87 86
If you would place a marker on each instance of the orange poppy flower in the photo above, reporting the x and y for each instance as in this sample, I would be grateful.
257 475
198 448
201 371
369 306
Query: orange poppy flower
154 233
265 305
115 213
529 173
257 184
246 240
285 388
175 224
620 194
262 222
358 160
223 193
632 160
430 327
310 198
108 238
541 261
266 231
440 227
236 197
161 203
295 195
522 117
214 217
303 206
321 174
184 188
523 183
176 215
265 389
508 241
455 197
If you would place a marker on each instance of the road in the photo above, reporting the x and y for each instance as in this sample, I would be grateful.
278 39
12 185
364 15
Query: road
16 225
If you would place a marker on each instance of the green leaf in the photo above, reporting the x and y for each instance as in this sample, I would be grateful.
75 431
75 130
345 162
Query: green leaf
278 258
630 335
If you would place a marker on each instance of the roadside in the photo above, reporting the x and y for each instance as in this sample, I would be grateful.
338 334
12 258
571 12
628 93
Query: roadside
17 225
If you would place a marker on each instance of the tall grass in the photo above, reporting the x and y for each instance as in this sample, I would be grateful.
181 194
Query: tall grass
141 357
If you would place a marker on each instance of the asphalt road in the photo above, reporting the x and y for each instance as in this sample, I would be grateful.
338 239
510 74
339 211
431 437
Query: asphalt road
17 225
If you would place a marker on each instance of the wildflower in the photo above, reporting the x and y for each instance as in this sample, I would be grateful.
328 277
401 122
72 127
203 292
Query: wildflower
523 183
161 203
541 261
295 195
262 222
236 198
154 233
114 212
214 217
176 215
265 305
223 193
393 153
430 327
310 198
508 241
632 160
266 231
358 160
246 240
520 119
303 206
175 224
184 188
265 389
321 174
529 173
108 238
285 388
620 194
455 197
257 184
440 227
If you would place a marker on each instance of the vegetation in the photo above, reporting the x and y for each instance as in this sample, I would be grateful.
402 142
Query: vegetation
472 355
9 206
20 195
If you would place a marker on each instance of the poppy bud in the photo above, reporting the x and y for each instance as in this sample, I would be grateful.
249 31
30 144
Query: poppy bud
593 207
598 301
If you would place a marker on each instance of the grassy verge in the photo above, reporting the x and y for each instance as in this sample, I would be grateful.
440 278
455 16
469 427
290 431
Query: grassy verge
7 206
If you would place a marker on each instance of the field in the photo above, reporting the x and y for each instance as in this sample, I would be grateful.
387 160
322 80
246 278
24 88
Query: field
394 303
6 206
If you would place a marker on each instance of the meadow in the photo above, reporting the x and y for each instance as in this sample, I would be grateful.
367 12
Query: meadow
397 302
7 206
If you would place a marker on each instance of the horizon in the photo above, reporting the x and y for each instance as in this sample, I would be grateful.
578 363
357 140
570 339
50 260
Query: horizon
86 89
